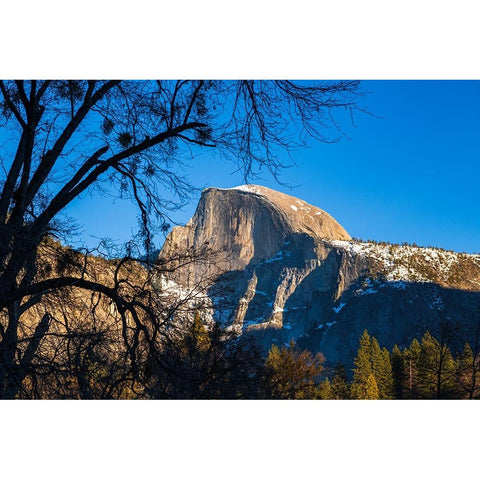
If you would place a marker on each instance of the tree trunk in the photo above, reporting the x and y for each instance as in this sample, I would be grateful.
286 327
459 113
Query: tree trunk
9 372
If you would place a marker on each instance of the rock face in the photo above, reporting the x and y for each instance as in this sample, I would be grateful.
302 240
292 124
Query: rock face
247 225
282 269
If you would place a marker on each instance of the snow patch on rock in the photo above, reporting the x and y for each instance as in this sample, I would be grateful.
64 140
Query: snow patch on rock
404 262
337 309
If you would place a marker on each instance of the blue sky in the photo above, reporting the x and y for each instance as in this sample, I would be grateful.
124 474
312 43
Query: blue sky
408 174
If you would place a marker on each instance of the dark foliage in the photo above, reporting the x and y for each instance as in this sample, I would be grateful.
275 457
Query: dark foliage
128 138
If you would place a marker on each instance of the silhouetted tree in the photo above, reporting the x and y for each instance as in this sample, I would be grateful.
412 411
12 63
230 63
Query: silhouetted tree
468 373
129 138
469 367
204 363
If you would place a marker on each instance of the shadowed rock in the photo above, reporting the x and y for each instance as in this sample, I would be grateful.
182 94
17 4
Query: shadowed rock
283 269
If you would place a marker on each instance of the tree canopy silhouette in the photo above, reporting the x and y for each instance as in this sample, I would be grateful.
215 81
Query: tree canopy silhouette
63 138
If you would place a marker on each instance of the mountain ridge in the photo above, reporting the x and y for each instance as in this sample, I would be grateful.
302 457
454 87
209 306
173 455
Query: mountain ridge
282 275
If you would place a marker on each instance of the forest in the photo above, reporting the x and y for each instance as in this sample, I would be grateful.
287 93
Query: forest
426 369
211 364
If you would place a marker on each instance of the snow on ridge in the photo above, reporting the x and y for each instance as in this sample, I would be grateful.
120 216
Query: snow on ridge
401 262
246 188
242 188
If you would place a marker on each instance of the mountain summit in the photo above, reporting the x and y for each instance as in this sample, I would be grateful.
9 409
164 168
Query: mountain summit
282 269
250 223
296 216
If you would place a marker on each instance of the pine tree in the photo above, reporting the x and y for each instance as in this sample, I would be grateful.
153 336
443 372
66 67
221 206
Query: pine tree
371 389
376 358
468 374
411 357
363 367
386 376
324 390
371 360
436 369
381 369
398 372
340 386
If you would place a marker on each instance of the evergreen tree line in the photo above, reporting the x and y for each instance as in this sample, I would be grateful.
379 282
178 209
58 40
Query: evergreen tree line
209 364
426 369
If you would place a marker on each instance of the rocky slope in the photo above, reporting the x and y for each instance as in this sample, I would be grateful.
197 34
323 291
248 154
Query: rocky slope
282 269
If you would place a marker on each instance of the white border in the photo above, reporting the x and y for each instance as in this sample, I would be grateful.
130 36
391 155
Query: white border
368 39
240 439
248 39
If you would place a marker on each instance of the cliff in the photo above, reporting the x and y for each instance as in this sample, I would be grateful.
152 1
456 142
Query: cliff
282 269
